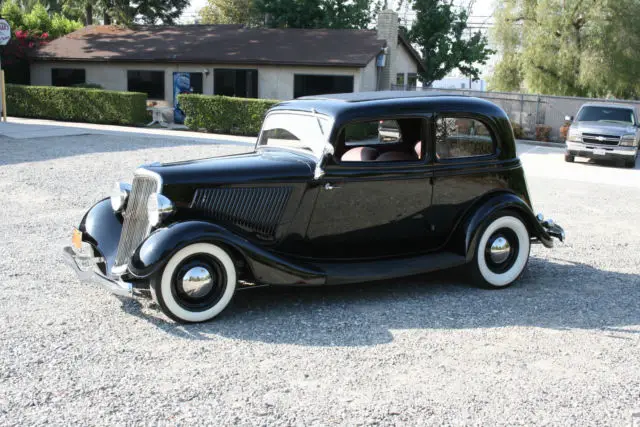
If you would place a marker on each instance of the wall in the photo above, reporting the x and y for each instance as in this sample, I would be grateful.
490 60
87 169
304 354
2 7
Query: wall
403 63
274 82
387 29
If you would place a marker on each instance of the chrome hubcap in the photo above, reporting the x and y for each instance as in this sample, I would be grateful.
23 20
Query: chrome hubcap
500 250
197 282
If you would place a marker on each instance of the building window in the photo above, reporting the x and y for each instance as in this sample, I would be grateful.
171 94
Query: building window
240 83
309 84
412 79
149 82
400 79
68 76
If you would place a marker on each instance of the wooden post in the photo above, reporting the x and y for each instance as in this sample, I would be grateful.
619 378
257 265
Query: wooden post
4 96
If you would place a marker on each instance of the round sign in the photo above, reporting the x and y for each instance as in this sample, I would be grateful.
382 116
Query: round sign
5 32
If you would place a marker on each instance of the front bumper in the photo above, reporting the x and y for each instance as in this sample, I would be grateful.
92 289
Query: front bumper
580 149
87 270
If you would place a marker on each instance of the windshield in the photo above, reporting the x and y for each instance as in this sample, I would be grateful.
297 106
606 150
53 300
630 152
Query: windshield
297 131
605 114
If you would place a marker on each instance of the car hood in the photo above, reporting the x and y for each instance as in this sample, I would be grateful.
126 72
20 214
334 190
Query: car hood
599 128
262 166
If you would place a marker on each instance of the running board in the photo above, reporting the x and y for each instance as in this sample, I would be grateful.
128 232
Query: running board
369 271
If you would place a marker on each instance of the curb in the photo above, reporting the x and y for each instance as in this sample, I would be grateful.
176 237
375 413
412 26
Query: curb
541 143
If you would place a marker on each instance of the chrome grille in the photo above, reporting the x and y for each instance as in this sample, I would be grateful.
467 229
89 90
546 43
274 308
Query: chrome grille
591 138
136 223
255 209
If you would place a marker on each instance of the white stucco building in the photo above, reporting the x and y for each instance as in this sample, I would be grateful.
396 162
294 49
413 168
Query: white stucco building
229 60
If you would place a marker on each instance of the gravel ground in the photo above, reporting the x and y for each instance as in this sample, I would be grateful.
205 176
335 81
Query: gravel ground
560 347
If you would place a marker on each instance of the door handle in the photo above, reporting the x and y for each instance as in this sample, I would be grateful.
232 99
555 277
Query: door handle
328 186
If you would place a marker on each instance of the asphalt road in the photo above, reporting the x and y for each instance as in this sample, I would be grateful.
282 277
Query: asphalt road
560 347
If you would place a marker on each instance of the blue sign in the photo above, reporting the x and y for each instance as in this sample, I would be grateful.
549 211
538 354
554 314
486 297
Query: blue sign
181 84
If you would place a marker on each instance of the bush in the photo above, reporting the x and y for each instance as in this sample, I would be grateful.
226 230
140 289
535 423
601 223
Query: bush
77 104
543 133
223 114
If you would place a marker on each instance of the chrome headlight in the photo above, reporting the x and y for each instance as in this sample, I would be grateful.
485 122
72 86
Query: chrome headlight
629 140
574 135
159 208
119 195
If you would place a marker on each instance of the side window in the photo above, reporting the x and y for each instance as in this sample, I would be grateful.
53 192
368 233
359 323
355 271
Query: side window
458 137
384 140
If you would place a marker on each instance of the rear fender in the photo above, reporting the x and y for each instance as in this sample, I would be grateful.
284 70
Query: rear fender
266 267
468 231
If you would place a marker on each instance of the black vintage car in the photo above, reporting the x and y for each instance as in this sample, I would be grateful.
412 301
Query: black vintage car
322 200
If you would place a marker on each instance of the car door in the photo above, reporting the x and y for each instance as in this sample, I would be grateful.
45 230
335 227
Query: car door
372 208
466 167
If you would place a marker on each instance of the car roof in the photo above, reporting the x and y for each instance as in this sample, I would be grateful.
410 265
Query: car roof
363 104
609 105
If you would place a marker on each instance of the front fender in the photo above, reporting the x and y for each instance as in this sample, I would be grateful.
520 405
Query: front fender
102 227
266 267
469 229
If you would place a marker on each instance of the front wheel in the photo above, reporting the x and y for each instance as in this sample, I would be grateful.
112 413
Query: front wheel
502 252
569 158
197 283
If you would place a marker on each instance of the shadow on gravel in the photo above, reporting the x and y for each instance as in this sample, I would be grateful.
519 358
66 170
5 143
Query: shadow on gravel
557 295
56 147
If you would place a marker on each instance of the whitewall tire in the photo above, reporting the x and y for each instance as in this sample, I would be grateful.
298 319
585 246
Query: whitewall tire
196 284
502 252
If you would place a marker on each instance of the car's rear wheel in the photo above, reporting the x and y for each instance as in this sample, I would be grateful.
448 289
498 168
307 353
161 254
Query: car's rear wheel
196 284
569 158
502 251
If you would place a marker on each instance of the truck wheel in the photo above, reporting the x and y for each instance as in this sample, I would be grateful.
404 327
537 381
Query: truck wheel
502 252
196 284
630 163
569 158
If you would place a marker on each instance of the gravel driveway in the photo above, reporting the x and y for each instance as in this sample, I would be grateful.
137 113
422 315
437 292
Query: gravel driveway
560 347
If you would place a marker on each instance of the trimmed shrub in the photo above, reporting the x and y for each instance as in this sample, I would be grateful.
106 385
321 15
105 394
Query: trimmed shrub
223 114
543 133
77 104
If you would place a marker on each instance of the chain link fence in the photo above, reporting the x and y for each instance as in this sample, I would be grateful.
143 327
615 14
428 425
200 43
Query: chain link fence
526 110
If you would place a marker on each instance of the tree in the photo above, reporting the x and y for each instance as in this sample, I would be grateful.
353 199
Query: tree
143 11
355 14
568 47
445 41
30 31
229 12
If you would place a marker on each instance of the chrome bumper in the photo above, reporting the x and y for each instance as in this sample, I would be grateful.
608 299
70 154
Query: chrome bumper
609 150
86 270
553 229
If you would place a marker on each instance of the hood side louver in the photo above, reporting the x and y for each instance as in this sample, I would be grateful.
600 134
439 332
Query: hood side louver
254 209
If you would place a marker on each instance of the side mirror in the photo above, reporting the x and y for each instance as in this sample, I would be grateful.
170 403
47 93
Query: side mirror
568 118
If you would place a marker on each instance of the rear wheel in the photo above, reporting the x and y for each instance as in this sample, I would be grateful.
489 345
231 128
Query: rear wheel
569 158
197 283
502 252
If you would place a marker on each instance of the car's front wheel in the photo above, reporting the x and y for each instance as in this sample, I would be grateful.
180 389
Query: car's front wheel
569 158
502 252
196 284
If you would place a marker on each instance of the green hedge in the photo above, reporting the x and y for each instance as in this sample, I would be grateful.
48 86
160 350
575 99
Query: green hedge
77 104
223 114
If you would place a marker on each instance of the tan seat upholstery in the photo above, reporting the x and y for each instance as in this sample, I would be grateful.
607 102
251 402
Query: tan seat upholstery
360 154
418 149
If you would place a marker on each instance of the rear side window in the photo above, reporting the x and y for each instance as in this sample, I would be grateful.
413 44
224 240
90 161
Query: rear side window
459 137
